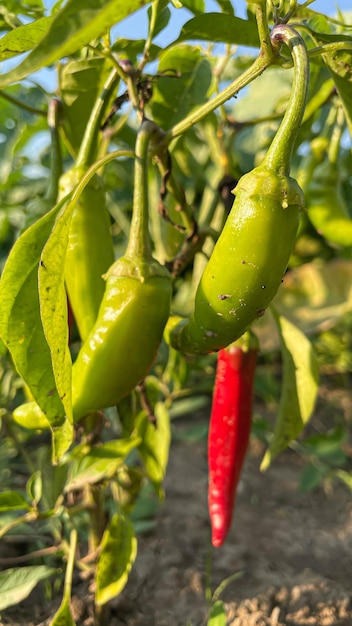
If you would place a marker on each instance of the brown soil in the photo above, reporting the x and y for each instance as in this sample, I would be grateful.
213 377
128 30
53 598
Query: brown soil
293 550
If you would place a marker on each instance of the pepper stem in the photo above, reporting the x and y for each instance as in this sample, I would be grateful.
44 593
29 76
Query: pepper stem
278 157
54 112
88 149
139 246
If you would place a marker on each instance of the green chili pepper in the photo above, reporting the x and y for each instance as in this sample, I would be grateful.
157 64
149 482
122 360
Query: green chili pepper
124 341
90 247
251 255
89 251
325 204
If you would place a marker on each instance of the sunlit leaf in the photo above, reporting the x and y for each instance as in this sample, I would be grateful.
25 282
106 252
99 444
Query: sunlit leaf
23 38
78 23
53 311
299 388
118 553
20 322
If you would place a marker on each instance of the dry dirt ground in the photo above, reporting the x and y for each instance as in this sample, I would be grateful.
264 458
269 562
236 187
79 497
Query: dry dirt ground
293 550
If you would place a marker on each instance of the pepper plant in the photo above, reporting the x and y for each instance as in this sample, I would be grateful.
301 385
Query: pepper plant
123 253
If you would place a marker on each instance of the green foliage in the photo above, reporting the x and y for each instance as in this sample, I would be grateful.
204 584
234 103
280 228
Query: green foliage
99 482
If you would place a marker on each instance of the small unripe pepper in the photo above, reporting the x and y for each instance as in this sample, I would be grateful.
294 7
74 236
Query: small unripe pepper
251 255
229 431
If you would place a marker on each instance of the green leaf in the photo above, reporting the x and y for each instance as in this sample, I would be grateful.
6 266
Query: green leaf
175 96
226 6
339 62
23 38
17 583
63 616
13 501
53 311
222 28
314 297
78 23
325 445
299 388
196 6
21 328
155 445
340 66
217 615
311 477
118 553
80 84
162 17
99 463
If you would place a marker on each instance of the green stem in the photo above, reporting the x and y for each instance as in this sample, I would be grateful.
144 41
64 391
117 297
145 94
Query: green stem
278 157
330 48
257 68
152 23
263 30
70 565
334 145
88 149
139 246
55 150
22 105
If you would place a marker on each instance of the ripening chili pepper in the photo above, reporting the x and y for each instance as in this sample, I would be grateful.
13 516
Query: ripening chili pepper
124 341
251 255
229 431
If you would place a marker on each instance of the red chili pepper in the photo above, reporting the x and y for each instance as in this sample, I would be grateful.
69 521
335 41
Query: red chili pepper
229 430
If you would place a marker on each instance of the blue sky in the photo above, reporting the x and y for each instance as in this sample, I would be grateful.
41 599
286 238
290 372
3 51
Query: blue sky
137 24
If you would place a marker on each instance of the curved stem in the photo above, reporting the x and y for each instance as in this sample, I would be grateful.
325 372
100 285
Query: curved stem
88 148
94 169
278 157
22 105
139 246
257 68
